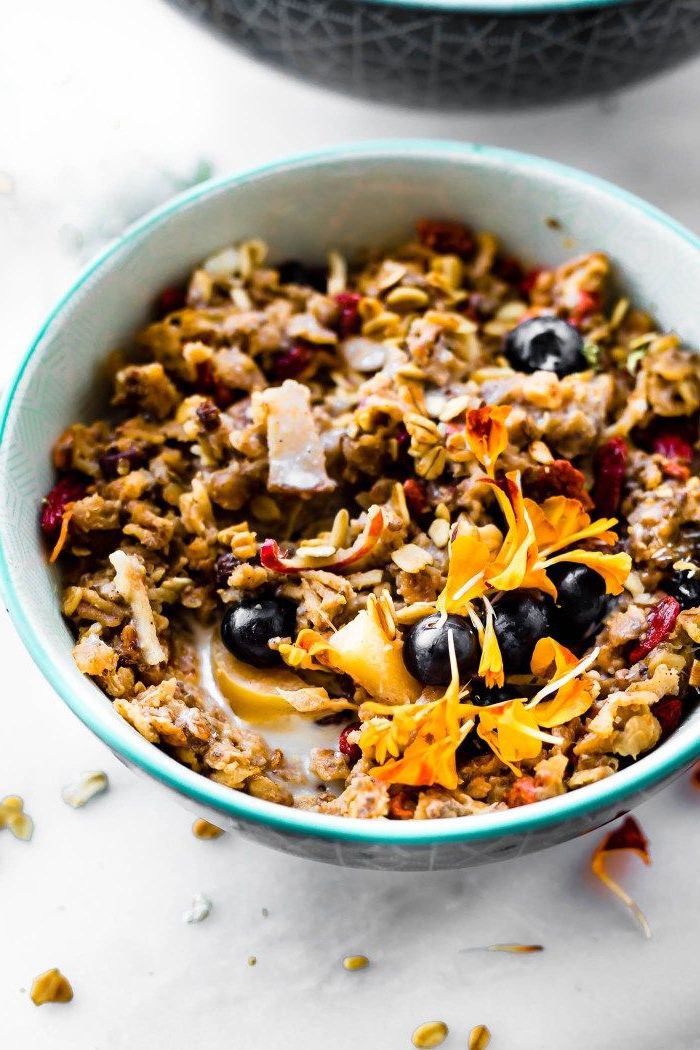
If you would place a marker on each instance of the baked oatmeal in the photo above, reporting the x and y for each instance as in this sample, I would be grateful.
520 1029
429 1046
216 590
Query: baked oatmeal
415 538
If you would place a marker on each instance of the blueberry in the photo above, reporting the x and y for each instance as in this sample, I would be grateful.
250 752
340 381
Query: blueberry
547 344
292 271
248 626
580 594
521 618
481 696
426 653
684 586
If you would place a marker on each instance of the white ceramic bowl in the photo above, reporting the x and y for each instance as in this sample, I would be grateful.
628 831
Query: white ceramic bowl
348 198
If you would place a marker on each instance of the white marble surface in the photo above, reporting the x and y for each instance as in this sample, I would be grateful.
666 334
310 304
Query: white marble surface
105 109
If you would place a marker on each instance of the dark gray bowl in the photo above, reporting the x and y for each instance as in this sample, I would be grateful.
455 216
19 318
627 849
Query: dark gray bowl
452 54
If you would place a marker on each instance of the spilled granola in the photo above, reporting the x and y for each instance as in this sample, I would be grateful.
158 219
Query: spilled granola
437 511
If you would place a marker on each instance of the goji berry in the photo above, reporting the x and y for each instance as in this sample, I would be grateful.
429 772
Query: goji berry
349 316
445 237
661 619
609 468
66 490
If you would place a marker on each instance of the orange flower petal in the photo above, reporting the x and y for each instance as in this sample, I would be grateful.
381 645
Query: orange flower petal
62 536
629 836
469 557
491 662
614 568
486 434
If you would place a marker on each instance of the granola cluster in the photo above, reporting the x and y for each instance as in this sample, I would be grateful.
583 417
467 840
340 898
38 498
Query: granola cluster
355 442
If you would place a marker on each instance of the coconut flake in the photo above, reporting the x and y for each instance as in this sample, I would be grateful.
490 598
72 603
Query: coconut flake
129 579
297 461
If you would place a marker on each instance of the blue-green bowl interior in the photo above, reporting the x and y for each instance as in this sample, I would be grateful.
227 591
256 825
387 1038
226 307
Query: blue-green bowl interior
349 198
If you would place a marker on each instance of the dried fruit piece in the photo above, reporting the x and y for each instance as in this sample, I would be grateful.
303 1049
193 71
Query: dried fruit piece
12 816
430 1034
85 788
479 1038
661 619
117 461
355 962
559 478
414 491
609 466
51 987
629 836
170 299
201 907
672 446
202 829
668 712
346 747
445 237
67 490
349 315
291 363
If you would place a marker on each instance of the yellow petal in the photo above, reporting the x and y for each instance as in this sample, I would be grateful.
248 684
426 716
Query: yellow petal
517 733
469 556
486 434
491 663
511 562
550 655
614 568
560 521
571 701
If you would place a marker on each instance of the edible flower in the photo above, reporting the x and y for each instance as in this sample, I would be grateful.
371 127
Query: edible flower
486 434
629 836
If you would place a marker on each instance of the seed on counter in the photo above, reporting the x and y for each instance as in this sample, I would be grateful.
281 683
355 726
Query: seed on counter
51 987
479 1038
12 816
84 789
201 907
517 948
430 1034
355 962
202 829
252 960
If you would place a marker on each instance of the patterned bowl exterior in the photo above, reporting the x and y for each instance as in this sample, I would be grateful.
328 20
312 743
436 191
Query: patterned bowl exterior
347 198
449 59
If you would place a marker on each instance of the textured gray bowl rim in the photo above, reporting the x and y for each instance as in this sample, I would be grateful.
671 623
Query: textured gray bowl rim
673 755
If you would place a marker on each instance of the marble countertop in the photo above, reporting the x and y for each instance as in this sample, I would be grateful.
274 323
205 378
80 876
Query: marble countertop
107 109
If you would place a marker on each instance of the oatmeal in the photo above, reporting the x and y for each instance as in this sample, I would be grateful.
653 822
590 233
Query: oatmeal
409 540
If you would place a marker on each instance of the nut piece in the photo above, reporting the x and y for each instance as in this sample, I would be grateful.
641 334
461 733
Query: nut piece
430 1034
355 962
51 987
202 829
201 906
411 558
12 816
479 1038
85 788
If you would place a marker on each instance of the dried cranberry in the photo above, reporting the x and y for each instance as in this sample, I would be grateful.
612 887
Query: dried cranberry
170 299
445 237
208 415
530 280
65 491
208 384
111 460
672 446
290 363
349 315
668 712
402 804
588 303
609 467
351 751
661 619
416 499
559 478
522 793
223 567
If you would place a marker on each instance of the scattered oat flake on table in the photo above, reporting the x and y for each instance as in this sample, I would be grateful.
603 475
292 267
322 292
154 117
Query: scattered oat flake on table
479 1038
629 836
51 987
252 960
12 816
430 1034
355 962
87 786
202 829
201 906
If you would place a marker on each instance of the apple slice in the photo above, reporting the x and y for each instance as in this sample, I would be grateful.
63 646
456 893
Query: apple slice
362 650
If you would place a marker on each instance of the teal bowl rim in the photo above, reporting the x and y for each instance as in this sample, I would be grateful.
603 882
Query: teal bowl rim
673 755
501 7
